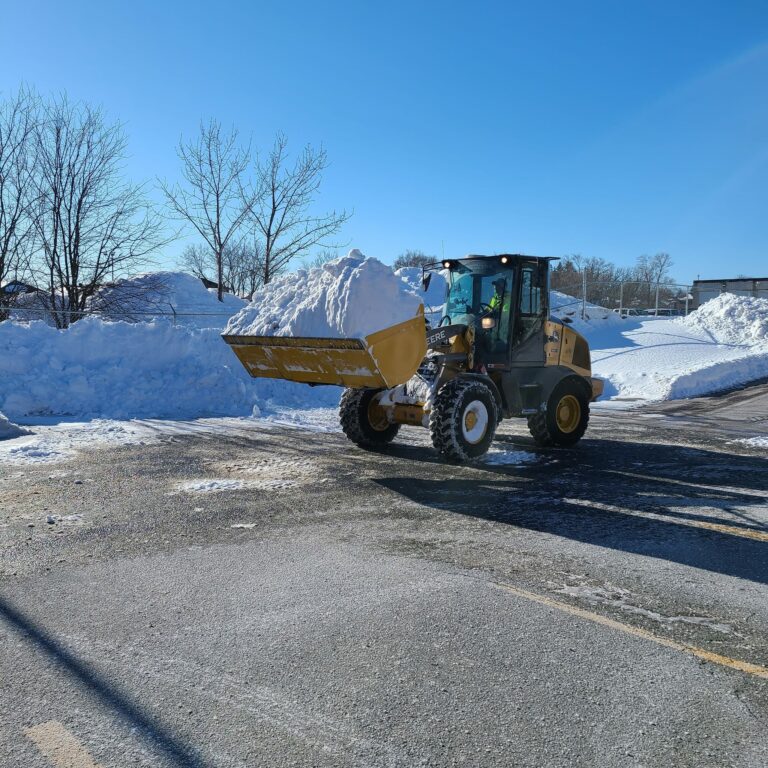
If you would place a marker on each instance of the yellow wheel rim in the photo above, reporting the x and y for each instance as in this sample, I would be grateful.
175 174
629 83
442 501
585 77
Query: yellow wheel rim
377 416
568 413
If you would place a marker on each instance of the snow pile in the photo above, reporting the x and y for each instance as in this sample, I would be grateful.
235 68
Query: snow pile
732 319
176 296
434 296
133 370
8 429
346 298
721 345
569 309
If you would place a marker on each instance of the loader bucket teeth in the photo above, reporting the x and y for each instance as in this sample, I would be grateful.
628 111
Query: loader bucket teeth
382 359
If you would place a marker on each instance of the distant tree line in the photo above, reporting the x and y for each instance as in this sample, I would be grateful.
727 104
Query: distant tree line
71 223
607 283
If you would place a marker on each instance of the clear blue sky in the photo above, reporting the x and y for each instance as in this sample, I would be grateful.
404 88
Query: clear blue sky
603 128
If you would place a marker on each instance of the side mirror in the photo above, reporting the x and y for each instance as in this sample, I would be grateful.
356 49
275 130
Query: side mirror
426 279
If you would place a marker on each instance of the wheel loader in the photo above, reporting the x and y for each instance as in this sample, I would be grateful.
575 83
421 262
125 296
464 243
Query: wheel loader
492 352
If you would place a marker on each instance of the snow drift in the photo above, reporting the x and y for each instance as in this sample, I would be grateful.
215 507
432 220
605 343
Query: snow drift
346 298
133 370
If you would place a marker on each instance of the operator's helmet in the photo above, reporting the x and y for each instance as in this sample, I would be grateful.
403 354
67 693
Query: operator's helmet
499 284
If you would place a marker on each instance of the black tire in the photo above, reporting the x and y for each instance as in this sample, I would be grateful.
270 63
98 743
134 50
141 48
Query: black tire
569 397
448 420
354 414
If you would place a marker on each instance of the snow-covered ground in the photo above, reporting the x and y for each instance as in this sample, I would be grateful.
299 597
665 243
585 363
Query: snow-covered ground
721 345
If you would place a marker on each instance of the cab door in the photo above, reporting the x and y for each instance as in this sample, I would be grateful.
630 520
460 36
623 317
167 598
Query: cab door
527 342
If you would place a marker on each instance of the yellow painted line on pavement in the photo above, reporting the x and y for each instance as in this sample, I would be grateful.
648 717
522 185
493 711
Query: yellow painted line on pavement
697 486
731 530
60 746
715 658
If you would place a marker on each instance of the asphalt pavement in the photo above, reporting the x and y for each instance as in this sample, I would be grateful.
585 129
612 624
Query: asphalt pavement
327 606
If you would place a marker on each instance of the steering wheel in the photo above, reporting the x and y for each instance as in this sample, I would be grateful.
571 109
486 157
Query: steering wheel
485 309
444 317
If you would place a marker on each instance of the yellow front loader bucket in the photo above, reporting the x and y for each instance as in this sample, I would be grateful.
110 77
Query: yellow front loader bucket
382 360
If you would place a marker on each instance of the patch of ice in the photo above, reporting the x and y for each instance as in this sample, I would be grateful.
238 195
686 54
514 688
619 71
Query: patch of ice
210 485
501 457
312 419
616 597
761 441
52 443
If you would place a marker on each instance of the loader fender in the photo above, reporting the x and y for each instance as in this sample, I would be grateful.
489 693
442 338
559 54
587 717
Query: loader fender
488 381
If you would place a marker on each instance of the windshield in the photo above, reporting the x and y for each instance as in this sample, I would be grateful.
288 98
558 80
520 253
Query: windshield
476 289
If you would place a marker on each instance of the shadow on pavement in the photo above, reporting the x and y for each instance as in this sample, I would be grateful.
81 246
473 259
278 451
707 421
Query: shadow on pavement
662 501
173 749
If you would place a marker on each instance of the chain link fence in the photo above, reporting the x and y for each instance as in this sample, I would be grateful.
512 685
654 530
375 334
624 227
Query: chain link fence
626 298
28 314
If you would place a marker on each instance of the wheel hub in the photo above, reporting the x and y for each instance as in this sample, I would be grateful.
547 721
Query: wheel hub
568 413
377 416
474 424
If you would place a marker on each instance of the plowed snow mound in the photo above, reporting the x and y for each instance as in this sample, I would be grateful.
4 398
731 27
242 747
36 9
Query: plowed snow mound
133 370
176 295
345 298
732 319
8 429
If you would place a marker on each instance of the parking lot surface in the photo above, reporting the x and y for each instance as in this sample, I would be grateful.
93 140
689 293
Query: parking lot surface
268 596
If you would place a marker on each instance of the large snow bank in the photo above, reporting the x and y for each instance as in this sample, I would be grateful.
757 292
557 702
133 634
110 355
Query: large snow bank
349 297
732 319
434 296
177 296
133 370
570 310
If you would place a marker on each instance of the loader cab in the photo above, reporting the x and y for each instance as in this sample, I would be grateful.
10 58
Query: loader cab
506 298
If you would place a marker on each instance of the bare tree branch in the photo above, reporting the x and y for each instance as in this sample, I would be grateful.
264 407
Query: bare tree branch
18 120
280 207
212 198
91 225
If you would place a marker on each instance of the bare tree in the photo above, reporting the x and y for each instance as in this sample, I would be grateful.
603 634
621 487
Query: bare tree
91 225
280 207
320 258
246 267
413 259
241 265
198 259
18 119
213 198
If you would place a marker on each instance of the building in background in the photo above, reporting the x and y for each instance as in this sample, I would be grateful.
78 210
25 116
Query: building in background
704 290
